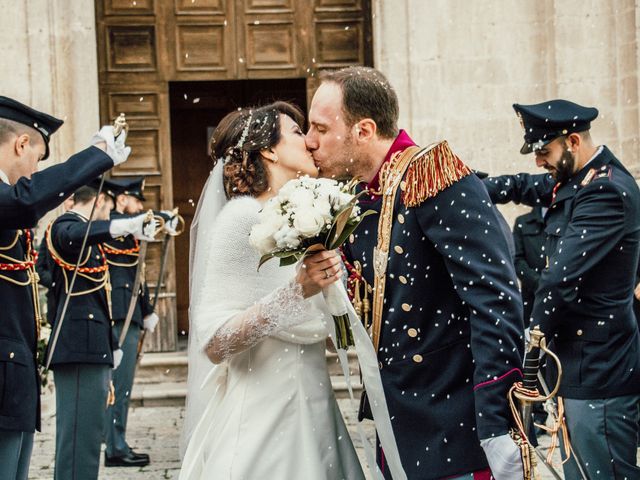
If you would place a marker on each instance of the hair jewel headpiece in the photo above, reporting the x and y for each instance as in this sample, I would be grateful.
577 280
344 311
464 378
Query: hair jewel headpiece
240 143
245 131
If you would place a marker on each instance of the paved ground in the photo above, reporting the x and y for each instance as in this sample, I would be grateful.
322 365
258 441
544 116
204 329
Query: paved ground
155 430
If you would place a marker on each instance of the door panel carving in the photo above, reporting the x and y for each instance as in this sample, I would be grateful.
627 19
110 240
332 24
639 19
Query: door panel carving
147 46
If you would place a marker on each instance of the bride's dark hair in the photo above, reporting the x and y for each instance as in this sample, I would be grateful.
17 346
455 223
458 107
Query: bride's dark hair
238 139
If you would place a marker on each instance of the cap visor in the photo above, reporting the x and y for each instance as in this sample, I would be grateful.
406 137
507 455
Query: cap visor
526 148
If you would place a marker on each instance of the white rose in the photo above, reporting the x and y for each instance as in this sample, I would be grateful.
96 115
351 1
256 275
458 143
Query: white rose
323 207
302 198
261 238
287 238
287 189
308 221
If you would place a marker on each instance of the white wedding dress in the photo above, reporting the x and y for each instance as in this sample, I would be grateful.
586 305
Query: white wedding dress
269 412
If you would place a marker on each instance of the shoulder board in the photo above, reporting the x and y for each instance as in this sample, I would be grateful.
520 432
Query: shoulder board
431 172
594 174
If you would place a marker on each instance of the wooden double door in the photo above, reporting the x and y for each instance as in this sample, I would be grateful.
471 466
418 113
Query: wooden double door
175 67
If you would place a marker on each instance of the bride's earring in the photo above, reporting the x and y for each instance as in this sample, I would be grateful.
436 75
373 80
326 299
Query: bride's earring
275 158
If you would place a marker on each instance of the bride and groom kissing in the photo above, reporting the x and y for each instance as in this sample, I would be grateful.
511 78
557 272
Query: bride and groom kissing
446 320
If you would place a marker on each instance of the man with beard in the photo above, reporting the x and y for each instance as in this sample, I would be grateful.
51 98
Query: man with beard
584 300
447 314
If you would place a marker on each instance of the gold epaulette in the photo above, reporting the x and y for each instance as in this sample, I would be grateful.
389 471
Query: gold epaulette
430 173
593 174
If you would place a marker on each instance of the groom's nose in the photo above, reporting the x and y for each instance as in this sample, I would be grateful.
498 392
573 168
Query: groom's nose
310 141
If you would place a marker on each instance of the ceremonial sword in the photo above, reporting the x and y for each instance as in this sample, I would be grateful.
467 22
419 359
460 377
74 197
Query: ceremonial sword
119 126
138 277
163 261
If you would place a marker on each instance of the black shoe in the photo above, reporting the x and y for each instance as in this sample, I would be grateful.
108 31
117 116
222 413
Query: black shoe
128 460
137 455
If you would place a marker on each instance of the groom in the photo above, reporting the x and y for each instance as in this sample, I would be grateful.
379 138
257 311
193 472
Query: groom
447 316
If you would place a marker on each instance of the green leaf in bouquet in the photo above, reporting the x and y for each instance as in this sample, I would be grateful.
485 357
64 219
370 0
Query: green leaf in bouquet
281 255
347 231
340 221
316 247
290 260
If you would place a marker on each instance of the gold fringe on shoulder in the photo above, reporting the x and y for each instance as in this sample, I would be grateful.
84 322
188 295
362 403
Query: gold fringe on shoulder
432 172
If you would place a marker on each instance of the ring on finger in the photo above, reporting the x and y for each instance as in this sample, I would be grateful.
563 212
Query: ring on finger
326 274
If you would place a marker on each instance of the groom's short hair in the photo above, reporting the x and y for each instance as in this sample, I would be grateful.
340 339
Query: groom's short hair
366 93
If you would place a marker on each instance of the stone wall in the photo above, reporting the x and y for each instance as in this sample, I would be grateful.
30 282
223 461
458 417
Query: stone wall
49 61
459 65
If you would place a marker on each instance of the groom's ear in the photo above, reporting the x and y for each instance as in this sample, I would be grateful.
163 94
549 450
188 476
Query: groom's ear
365 130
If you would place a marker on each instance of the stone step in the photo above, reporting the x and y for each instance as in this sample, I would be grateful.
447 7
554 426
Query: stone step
162 367
171 367
174 393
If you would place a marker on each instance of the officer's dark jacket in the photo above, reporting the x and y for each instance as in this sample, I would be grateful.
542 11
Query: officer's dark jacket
530 260
85 335
123 278
584 299
21 206
45 266
451 340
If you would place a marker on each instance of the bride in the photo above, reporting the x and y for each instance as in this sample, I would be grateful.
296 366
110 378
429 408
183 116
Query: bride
260 403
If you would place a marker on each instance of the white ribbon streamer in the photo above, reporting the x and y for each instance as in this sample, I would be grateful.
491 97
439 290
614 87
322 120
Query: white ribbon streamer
371 378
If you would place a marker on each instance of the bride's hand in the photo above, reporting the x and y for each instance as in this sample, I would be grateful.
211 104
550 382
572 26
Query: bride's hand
318 271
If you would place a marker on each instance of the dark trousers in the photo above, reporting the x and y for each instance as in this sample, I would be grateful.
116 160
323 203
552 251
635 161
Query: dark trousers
15 454
81 402
116 419
603 434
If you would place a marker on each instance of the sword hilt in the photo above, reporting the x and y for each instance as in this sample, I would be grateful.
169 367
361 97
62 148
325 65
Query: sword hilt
532 360
120 125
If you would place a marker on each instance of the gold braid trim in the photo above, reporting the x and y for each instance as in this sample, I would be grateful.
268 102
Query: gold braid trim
431 173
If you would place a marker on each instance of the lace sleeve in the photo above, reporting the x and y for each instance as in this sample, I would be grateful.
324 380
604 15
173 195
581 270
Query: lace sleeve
284 307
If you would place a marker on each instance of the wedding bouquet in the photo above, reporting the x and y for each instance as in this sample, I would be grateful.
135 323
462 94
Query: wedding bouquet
307 215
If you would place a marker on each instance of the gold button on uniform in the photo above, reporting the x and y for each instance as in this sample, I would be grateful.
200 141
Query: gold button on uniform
412 332
91 315
11 355
401 218
579 333
406 307
398 249
402 279
417 358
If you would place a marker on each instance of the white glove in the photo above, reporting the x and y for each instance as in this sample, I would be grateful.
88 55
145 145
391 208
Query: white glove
170 225
133 226
116 148
150 322
117 358
504 457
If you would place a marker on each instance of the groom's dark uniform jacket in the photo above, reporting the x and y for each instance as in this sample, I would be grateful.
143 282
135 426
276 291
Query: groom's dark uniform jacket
451 339
584 300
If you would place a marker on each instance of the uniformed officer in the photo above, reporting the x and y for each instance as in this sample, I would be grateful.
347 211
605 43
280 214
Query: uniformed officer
45 265
449 330
25 196
122 257
584 300
85 352
530 260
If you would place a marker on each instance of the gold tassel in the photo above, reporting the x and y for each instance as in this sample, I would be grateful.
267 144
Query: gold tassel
431 173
